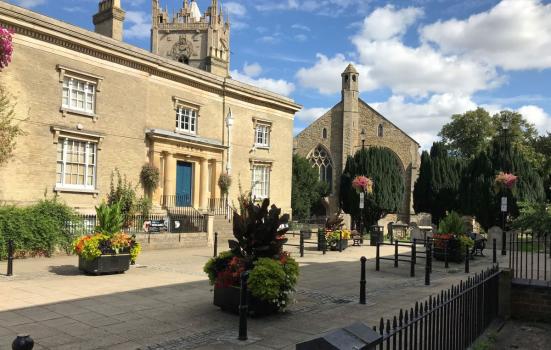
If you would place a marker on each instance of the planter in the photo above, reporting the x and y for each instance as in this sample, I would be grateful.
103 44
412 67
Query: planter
343 243
228 298
455 253
105 264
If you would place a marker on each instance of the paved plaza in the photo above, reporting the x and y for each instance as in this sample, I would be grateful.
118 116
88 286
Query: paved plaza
165 301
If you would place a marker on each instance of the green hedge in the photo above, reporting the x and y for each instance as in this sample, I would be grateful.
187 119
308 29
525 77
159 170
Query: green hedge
39 229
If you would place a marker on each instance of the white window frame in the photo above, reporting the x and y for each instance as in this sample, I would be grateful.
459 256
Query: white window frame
183 112
262 135
260 183
69 80
89 146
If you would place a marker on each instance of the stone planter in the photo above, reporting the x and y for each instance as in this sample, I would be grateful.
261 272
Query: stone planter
105 264
343 243
228 300
455 253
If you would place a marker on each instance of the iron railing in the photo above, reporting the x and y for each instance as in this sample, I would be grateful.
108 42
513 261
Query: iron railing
176 200
530 256
181 221
451 320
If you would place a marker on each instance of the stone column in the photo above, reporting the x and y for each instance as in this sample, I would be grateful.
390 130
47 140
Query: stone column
170 177
204 184
157 193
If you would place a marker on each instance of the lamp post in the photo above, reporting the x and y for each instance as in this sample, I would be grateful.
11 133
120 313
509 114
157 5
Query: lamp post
505 124
362 194
362 138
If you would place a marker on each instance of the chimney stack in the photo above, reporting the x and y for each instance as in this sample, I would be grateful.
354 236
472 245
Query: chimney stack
109 19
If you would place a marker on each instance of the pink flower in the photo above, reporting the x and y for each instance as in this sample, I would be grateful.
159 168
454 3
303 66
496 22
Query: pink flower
362 184
6 46
506 180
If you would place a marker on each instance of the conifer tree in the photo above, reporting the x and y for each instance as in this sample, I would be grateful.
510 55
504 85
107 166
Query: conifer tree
384 168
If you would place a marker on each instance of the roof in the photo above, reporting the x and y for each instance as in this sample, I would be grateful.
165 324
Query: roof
350 69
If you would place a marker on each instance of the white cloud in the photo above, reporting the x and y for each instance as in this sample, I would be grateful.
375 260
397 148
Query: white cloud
138 25
30 3
301 27
235 9
537 116
322 7
301 37
514 34
386 22
325 75
423 120
279 86
308 115
252 70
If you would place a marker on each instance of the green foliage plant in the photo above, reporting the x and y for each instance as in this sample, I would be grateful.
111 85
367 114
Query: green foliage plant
123 192
150 177
224 182
534 217
109 218
307 190
452 224
217 264
9 130
273 280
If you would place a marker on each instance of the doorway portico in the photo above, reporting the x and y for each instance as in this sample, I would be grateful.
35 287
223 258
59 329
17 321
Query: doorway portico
189 168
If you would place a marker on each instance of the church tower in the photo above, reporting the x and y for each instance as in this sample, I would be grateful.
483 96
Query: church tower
350 111
109 19
202 41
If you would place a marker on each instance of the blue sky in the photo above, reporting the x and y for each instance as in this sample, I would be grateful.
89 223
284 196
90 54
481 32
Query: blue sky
420 61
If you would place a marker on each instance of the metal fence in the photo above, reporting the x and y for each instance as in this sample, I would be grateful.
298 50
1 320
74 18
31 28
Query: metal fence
183 221
451 320
530 256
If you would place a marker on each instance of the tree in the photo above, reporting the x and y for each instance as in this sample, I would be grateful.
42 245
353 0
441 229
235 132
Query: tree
542 146
437 188
520 133
468 133
307 190
384 168
8 130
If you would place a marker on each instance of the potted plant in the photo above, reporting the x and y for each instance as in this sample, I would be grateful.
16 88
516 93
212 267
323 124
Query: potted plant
337 239
6 46
451 239
259 232
108 249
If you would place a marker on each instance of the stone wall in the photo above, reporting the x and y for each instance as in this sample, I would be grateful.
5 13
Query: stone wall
171 240
531 300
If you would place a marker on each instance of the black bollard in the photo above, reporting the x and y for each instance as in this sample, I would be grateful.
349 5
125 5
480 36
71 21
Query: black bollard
23 342
10 258
446 263
362 280
466 259
377 257
494 251
243 307
428 252
301 247
503 243
413 254
340 241
396 253
215 244
324 243
415 245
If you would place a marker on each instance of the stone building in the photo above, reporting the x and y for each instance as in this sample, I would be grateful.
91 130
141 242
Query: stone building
337 134
90 103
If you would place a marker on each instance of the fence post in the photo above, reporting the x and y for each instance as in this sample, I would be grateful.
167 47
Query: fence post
243 307
340 241
396 253
503 239
10 258
362 280
377 256
413 254
301 246
215 244
467 260
428 262
494 251
446 263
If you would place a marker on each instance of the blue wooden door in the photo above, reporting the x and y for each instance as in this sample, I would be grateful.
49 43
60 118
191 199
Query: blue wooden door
183 184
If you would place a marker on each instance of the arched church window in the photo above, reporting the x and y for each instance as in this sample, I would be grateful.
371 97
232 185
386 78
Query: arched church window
354 78
324 133
381 130
320 159
183 59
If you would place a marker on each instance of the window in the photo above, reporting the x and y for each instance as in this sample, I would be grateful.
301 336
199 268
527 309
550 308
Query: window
320 159
261 181
186 119
79 95
262 135
381 130
76 164
324 133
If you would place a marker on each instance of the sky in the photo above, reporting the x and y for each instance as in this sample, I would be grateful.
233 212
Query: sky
420 61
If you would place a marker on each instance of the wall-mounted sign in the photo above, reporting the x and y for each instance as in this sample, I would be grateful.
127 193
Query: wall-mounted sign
503 204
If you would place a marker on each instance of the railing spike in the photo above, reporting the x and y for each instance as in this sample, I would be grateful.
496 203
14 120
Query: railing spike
394 323
387 326
421 309
381 326
416 309
401 316
406 318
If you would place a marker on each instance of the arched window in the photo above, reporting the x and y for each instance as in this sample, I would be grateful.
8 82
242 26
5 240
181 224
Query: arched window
324 133
381 130
183 59
320 159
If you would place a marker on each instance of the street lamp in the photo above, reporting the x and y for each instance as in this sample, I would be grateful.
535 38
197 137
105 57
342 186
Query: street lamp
505 124
362 138
362 194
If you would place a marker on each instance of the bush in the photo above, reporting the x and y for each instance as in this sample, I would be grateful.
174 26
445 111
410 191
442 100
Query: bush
453 224
39 229
150 177
124 193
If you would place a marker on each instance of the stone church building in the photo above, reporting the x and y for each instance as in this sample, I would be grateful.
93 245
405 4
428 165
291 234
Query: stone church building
337 134
90 103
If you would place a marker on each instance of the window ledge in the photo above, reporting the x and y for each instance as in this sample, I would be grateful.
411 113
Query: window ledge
262 147
184 132
59 188
65 111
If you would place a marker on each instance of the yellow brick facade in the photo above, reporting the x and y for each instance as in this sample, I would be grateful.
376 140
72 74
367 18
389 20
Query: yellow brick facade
135 115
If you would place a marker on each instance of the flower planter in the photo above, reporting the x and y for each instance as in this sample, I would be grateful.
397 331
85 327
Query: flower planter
343 243
227 298
105 264
455 253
